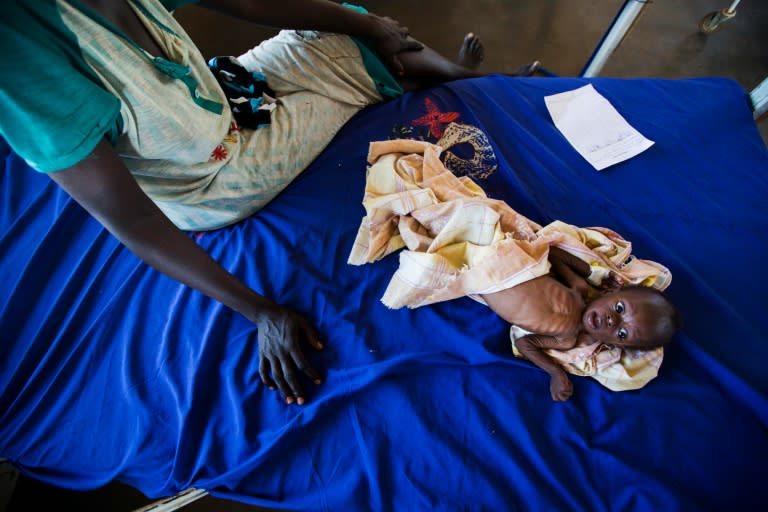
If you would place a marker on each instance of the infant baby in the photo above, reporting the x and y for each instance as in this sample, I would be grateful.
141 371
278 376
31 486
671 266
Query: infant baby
563 311
459 242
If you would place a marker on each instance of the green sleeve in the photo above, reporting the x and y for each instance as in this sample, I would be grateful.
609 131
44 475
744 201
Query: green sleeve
172 5
386 84
54 109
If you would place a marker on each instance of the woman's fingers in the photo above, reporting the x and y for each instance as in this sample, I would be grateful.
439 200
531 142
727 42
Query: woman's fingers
282 360
264 372
279 378
310 334
303 365
292 381
395 65
412 45
391 39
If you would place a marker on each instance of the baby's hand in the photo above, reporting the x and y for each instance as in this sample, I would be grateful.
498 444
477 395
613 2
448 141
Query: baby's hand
581 286
611 282
561 387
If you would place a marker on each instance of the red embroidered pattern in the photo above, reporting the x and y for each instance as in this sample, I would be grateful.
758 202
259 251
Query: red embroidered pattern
435 119
220 153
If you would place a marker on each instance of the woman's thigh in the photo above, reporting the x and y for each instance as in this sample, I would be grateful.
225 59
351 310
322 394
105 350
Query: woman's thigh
327 64
301 127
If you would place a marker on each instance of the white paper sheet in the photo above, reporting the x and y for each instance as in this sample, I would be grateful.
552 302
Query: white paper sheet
594 128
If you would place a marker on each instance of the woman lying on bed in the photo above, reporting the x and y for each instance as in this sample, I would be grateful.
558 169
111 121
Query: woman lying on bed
115 102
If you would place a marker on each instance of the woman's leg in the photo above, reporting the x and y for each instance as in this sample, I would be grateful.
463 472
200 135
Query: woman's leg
427 67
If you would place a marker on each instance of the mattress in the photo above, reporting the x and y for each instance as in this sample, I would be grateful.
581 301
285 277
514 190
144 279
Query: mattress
112 371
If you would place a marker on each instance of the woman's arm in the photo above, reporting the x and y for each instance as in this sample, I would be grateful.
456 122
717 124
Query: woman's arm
386 34
532 347
105 188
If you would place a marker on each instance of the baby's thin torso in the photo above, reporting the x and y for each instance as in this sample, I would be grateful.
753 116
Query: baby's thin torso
542 305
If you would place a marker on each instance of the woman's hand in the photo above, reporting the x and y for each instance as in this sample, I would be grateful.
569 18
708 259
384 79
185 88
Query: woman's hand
106 189
389 39
281 333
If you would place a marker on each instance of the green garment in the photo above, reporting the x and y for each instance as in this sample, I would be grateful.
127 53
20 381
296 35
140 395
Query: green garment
55 110
386 84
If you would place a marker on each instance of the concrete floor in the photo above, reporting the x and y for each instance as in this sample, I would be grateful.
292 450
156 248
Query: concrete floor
562 34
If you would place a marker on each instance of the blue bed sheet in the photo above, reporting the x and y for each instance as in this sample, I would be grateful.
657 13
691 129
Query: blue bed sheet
111 371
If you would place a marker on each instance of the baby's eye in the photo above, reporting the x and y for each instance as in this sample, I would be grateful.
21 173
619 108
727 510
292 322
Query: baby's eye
622 334
619 307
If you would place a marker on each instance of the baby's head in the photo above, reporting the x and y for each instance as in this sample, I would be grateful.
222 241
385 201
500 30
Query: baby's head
634 317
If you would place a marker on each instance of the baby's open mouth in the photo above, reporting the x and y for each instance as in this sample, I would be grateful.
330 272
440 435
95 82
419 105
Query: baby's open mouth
593 320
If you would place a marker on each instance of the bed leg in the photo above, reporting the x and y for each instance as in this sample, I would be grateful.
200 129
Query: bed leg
176 502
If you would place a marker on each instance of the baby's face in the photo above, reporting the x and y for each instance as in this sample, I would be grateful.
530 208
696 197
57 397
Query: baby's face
628 318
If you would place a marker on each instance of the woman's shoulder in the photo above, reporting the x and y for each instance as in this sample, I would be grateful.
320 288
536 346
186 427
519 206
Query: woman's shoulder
55 110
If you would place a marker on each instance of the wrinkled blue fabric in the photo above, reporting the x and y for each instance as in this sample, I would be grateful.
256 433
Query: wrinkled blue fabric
111 371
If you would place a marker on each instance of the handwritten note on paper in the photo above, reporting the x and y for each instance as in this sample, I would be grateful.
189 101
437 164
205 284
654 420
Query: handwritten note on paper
594 128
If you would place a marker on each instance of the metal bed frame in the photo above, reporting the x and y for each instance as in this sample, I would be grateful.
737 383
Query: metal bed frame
626 19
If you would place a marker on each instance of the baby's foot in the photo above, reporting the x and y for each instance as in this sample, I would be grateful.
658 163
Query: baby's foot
472 52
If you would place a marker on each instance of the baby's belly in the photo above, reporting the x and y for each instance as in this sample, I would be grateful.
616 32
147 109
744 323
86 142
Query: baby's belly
542 305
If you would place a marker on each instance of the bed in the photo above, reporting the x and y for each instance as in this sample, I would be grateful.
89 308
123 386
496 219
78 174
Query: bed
112 372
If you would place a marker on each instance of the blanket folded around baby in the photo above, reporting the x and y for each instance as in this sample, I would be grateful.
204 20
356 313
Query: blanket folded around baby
459 242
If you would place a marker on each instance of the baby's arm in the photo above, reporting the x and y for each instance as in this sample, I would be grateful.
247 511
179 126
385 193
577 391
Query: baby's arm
532 347
572 270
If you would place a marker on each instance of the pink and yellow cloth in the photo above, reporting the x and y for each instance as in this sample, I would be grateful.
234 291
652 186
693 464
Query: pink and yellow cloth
458 242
